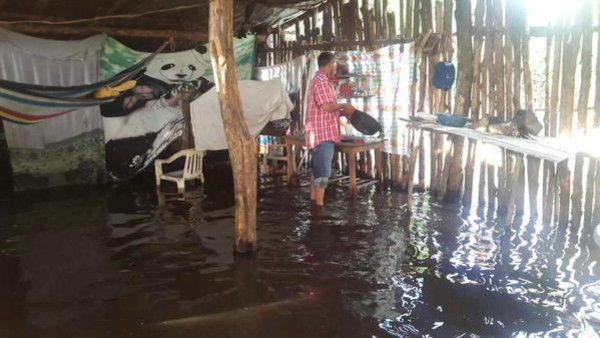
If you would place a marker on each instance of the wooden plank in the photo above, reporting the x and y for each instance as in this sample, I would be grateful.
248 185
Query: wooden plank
533 177
539 148
81 31
242 146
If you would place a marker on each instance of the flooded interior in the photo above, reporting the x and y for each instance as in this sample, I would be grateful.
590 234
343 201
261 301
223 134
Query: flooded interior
124 261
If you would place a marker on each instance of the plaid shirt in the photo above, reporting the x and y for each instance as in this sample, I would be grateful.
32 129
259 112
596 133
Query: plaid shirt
321 125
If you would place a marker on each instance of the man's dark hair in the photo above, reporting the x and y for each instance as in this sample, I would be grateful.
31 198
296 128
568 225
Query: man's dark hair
325 58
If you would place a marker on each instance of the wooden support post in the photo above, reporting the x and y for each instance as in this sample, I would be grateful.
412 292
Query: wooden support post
548 204
417 19
499 58
409 19
443 180
597 96
439 158
242 146
405 169
571 48
596 212
527 77
589 192
380 165
491 185
564 181
469 172
586 67
463 92
515 171
482 174
478 36
520 198
402 18
503 183
411 174
433 140
577 196
517 31
556 77
509 61
547 86
421 152
533 178
352 169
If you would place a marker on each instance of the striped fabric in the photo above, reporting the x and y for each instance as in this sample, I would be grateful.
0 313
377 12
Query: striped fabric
27 104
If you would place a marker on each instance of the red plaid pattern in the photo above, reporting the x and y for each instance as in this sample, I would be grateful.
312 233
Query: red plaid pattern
321 125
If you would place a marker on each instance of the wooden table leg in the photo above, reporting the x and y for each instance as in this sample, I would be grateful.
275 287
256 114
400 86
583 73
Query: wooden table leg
291 159
352 165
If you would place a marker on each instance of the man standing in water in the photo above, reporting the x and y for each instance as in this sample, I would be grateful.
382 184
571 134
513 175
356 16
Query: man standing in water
322 130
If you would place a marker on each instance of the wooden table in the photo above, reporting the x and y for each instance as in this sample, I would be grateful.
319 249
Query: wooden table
351 149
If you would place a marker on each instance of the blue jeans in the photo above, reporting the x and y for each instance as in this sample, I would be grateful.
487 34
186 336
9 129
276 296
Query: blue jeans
322 156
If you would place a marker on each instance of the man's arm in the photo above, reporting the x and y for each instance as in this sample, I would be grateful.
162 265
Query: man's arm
333 107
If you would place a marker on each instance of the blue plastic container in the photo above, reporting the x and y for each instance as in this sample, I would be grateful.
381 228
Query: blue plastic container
452 120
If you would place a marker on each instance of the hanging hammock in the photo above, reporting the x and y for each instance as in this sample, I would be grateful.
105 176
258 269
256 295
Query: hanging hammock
27 103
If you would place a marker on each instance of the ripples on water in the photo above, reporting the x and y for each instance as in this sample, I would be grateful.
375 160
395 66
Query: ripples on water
125 262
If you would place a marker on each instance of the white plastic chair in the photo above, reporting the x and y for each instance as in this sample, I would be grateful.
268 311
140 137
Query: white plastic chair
192 169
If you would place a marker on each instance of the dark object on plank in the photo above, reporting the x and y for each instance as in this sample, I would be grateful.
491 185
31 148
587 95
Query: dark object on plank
365 123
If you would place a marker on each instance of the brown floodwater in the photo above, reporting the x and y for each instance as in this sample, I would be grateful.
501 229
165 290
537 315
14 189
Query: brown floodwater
124 262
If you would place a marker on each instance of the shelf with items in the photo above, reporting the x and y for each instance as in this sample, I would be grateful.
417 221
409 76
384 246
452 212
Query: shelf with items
354 86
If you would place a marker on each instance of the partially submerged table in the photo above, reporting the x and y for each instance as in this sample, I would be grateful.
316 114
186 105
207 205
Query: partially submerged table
351 149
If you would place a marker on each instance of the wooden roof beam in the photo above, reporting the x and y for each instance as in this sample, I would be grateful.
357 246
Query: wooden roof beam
79 31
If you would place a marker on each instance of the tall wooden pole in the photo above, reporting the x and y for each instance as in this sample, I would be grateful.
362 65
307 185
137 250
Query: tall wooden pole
242 146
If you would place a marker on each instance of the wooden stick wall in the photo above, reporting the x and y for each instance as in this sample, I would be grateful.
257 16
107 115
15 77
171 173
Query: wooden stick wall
491 46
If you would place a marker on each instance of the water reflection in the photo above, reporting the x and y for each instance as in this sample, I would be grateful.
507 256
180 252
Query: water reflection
162 265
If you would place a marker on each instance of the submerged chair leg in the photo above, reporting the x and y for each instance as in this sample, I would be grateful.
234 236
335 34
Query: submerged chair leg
180 186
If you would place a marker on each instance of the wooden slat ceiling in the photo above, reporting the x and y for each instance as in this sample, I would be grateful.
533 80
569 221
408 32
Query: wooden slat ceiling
146 30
